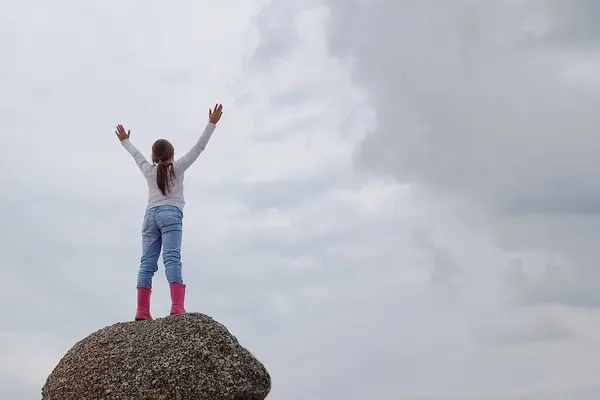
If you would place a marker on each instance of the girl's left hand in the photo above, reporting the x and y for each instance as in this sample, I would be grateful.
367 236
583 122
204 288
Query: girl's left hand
121 134
215 115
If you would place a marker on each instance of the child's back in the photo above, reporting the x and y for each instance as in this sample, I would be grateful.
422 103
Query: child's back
173 171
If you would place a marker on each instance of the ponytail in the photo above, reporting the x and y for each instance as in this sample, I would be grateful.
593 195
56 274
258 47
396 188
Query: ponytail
164 173
162 154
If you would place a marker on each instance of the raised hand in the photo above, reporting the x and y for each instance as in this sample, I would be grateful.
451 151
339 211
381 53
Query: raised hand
215 115
121 134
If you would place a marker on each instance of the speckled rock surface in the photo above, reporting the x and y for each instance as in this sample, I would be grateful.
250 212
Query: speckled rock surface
180 357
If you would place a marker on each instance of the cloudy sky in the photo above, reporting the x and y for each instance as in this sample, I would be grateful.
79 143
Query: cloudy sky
401 201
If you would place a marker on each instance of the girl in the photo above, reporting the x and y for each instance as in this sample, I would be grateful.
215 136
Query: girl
162 225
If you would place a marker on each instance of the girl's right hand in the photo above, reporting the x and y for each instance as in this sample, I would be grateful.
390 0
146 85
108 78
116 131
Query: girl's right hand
121 134
215 115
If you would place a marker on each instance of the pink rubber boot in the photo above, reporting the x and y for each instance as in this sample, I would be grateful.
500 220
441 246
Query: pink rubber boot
177 298
143 304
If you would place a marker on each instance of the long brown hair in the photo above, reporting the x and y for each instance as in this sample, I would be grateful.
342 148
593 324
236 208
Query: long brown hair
162 154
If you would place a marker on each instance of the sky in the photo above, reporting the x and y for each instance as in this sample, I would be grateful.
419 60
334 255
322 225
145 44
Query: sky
399 202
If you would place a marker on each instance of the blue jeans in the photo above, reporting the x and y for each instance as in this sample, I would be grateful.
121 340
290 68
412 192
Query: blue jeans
162 228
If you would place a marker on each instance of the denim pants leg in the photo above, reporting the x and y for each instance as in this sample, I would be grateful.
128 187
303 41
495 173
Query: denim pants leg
162 228
151 245
169 220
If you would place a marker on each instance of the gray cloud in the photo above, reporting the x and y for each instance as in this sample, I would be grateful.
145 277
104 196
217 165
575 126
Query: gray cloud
490 109
483 103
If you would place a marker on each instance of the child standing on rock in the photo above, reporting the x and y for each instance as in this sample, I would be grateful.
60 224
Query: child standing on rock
162 226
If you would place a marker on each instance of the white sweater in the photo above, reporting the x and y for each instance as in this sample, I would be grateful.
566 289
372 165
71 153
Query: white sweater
175 196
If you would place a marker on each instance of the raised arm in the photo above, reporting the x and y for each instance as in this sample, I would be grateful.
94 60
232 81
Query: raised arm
188 159
191 156
137 155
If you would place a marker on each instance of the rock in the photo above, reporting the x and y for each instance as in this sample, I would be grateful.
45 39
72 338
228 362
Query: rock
185 357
